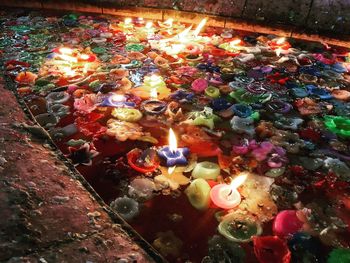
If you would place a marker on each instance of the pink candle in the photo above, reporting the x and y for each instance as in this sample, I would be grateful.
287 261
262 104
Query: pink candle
226 196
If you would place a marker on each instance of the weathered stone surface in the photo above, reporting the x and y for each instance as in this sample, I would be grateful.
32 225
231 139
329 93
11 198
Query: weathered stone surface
43 205
231 8
282 11
331 15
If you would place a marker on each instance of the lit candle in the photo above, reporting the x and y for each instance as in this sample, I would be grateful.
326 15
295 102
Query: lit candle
127 23
151 85
153 106
171 154
117 100
226 196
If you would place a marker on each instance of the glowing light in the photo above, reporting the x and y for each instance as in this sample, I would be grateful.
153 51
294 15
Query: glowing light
86 68
199 27
171 169
68 72
169 22
153 93
182 36
172 140
235 42
84 56
127 21
149 25
68 58
278 51
65 50
281 40
238 181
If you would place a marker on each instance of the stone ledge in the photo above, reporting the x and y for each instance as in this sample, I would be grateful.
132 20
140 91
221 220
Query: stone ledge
182 16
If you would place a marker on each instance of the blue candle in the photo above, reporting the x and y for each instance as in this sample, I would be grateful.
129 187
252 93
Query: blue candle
171 154
173 158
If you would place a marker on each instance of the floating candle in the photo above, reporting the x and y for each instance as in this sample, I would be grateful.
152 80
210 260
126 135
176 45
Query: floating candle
171 154
117 100
198 193
226 196
206 170
239 228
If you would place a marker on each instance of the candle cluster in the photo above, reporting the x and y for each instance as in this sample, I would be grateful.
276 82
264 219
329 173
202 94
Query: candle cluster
219 137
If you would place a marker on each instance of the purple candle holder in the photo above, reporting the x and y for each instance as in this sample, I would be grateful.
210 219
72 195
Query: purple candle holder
172 158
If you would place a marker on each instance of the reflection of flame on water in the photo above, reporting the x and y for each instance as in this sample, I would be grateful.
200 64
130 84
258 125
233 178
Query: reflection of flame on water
199 27
149 25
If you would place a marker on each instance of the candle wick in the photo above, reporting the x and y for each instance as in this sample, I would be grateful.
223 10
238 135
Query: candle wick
230 193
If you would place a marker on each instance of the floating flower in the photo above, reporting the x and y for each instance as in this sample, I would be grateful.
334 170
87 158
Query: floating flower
168 244
288 140
199 85
26 77
239 228
338 124
243 125
123 130
126 207
86 103
271 249
199 142
82 154
287 223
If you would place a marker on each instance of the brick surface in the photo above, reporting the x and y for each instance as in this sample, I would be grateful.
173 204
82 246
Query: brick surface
45 210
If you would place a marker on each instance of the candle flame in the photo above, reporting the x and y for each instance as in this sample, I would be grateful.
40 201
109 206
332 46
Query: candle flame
199 27
127 21
238 181
172 140
182 36
149 25
280 41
